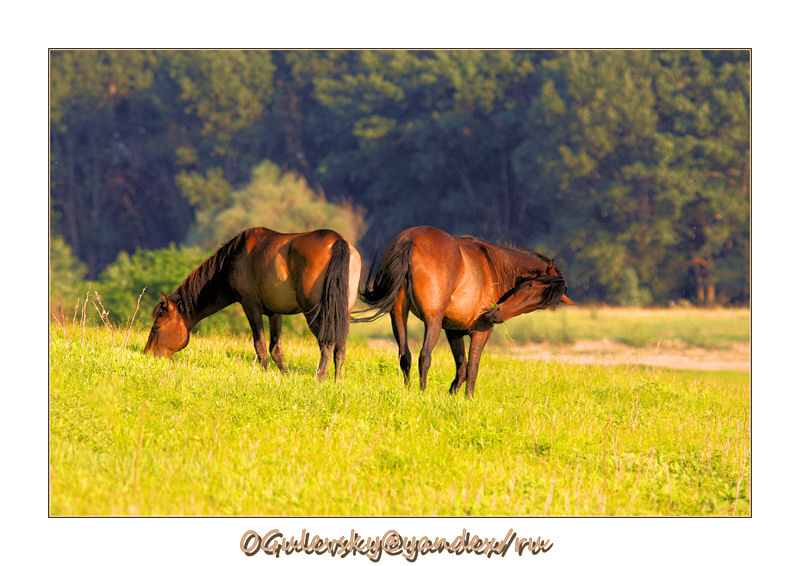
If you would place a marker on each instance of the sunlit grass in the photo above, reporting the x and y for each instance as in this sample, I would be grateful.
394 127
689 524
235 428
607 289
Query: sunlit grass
209 433
706 328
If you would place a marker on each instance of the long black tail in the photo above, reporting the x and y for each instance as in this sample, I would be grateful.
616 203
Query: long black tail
330 320
384 281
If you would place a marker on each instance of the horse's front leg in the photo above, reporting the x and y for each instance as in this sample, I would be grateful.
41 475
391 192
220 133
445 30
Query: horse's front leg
477 341
275 349
252 311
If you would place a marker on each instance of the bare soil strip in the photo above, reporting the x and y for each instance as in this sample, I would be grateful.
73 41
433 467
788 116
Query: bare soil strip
669 354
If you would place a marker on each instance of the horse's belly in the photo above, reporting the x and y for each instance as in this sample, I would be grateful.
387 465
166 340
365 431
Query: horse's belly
463 309
279 298
276 291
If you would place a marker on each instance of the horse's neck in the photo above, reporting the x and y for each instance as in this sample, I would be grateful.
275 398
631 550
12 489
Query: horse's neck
204 305
516 264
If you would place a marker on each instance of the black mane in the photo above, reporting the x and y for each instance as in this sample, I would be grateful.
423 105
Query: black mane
510 271
204 280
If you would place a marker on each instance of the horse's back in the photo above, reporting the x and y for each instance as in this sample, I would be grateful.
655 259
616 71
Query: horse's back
435 256
436 266
450 277
285 272
262 273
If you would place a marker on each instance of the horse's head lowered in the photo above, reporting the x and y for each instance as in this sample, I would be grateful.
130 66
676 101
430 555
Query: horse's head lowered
169 333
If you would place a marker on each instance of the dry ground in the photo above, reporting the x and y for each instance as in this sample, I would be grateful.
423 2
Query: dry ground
669 354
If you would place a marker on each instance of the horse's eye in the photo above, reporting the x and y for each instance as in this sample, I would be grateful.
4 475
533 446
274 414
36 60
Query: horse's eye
156 326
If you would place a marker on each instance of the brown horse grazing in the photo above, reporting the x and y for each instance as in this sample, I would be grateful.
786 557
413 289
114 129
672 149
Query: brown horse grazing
273 274
463 285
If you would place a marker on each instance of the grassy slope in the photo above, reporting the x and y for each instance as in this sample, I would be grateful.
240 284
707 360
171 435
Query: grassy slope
207 434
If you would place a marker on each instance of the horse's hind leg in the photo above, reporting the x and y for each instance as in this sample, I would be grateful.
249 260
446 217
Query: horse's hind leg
326 345
456 340
399 316
253 313
339 354
433 327
275 349
325 351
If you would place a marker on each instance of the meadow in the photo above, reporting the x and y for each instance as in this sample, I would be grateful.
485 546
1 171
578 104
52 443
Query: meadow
209 433
691 327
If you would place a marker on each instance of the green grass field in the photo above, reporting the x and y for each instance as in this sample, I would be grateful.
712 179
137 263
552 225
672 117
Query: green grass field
209 433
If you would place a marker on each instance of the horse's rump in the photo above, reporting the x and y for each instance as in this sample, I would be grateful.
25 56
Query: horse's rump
386 277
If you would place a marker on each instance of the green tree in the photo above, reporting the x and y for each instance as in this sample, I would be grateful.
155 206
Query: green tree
67 273
705 107
274 199
225 94
448 117
631 167
621 152
111 176
125 123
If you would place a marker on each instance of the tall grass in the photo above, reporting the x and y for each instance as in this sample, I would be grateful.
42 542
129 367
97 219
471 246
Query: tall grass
208 433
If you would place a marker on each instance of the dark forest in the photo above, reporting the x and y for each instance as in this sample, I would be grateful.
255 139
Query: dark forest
631 168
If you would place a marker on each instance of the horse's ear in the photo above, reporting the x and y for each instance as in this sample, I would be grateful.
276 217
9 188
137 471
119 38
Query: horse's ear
169 305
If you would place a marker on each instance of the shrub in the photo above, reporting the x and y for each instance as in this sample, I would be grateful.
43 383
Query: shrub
67 273
274 199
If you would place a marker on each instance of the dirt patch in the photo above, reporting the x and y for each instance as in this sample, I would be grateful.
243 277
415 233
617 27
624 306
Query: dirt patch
669 354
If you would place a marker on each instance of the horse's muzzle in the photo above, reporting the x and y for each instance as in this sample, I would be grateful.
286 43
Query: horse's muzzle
492 316
488 319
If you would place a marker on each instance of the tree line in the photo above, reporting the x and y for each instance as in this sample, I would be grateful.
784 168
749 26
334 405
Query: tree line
631 168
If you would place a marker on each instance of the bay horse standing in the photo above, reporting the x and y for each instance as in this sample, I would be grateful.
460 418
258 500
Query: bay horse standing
274 274
461 284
